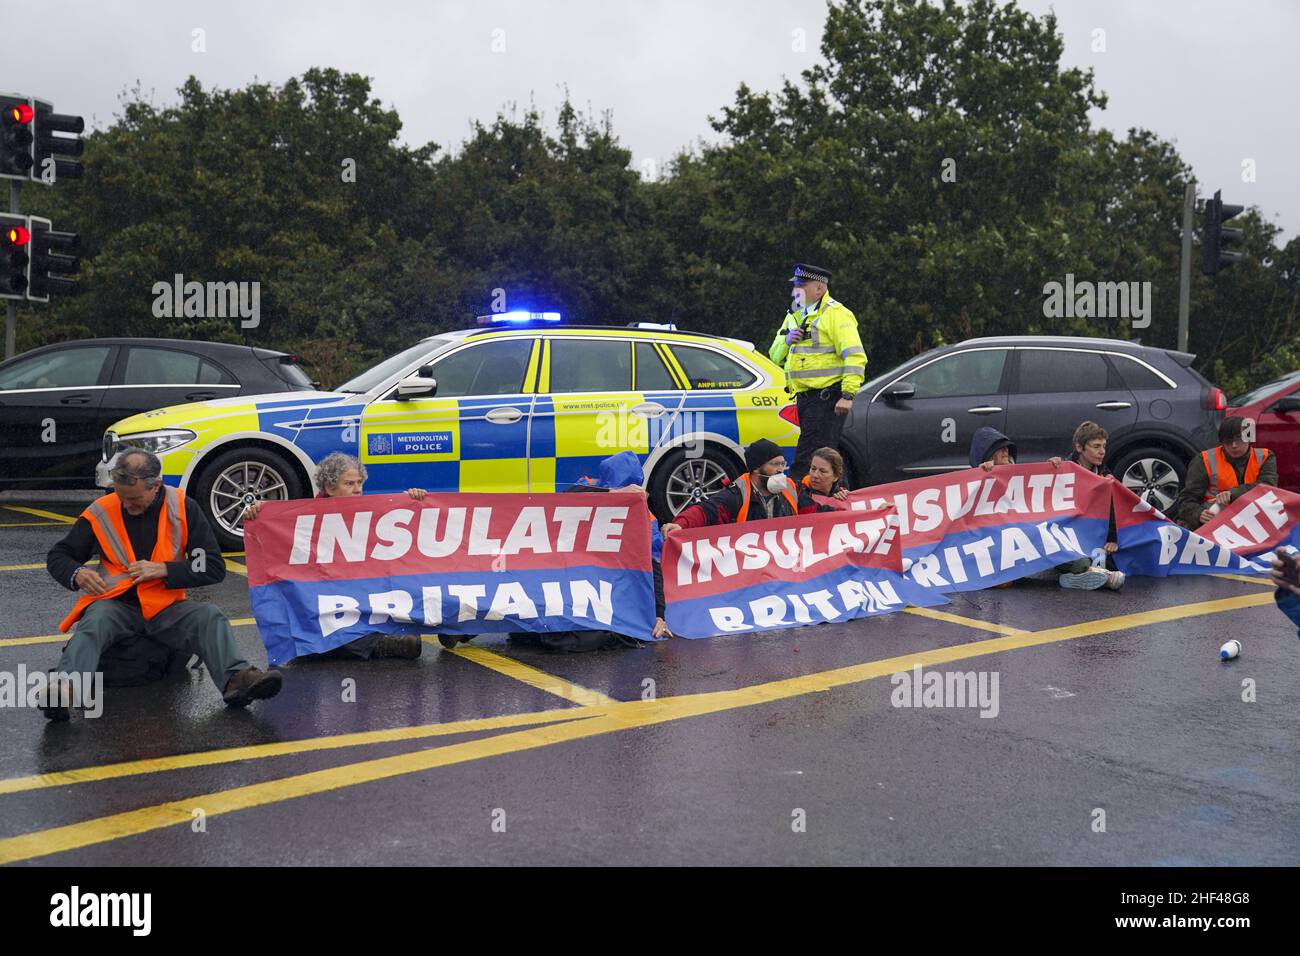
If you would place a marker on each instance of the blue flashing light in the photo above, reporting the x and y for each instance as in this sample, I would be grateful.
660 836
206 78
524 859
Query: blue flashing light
518 318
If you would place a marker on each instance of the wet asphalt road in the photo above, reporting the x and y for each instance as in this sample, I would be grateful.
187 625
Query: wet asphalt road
507 755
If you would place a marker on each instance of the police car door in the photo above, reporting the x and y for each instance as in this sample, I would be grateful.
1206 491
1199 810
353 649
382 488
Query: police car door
598 395
471 434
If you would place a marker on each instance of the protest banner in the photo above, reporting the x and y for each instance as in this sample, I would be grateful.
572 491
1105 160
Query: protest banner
974 529
784 572
1241 539
325 571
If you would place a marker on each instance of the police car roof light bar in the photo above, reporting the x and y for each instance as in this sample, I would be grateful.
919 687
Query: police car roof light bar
512 318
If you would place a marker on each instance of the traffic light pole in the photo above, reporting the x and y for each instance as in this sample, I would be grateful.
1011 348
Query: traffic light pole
11 316
1185 275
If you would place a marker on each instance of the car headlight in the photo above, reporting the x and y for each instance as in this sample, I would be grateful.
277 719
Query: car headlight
157 443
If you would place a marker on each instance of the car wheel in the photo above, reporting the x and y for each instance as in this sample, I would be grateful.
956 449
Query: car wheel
237 478
682 480
1153 474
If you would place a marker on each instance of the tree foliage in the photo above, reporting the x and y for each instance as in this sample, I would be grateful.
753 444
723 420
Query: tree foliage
940 160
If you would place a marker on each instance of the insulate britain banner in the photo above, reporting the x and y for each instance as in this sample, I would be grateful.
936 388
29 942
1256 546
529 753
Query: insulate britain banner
784 572
326 571
974 529
1241 538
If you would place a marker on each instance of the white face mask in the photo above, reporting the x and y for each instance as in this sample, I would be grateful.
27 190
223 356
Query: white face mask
776 484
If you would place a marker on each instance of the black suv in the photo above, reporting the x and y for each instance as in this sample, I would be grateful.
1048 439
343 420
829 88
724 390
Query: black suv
918 418
56 401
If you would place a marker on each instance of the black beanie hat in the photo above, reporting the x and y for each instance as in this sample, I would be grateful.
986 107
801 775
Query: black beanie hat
760 453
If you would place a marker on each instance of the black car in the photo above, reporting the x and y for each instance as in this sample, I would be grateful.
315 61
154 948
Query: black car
57 400
918 418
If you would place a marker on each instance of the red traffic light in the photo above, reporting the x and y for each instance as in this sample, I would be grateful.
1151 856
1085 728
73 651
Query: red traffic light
20 113
17 236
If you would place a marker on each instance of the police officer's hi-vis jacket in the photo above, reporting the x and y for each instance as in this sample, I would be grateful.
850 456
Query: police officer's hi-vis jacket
830 352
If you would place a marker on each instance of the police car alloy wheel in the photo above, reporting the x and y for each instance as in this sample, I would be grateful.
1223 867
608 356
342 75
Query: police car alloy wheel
235 480
692 481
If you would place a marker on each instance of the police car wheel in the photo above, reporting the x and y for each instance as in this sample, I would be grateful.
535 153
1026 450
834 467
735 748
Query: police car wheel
237 478
682 480
1153 474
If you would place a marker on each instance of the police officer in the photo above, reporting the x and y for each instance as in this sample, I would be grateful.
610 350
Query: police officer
824 362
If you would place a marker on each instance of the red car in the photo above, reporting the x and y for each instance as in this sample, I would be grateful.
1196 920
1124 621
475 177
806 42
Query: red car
1275 407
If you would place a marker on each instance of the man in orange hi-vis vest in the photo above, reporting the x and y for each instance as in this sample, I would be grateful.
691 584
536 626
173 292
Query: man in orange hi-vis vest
1222 474
152 544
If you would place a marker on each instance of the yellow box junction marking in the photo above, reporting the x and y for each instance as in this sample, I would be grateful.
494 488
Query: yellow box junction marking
610 719
53 515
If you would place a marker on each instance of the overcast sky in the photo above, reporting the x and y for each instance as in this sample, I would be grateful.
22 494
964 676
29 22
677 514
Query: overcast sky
662 67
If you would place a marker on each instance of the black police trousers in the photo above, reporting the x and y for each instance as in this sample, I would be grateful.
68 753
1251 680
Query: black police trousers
819 426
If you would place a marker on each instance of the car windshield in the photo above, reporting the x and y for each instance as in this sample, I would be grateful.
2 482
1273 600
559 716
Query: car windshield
1254 395
392 365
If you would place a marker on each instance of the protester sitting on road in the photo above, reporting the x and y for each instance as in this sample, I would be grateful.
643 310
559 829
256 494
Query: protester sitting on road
132 595
340 476
825 477
621 472
1223 474
990 448
1090 453
764 491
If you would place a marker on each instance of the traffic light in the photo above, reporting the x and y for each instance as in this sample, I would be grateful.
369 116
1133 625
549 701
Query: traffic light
51 262
17 147
49 145
15 246
1217 212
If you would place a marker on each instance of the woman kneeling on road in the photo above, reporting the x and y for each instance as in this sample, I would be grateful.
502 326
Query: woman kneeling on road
339 476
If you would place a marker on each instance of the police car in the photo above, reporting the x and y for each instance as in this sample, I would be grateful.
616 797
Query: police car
519 403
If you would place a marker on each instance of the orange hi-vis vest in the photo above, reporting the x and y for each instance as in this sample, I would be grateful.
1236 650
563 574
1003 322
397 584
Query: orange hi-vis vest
1222 475
746 495
105 517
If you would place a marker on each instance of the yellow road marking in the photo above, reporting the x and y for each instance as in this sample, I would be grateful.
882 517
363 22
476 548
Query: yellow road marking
54 515
532 676
32 524
52 638
32 567
43 639
1245 579
236 567
615 717
966 621
209 758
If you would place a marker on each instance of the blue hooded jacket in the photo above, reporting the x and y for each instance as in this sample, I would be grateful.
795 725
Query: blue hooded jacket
618 471
985 442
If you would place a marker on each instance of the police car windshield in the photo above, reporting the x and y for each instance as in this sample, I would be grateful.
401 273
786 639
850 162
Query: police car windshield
377 374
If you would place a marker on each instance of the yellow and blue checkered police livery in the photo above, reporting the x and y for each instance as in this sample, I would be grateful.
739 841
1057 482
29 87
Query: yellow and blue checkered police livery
519 409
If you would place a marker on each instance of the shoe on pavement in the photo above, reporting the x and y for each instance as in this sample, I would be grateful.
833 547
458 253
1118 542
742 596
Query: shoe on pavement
448 641
1114 580
59 708
405 646
1088 580
251 684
